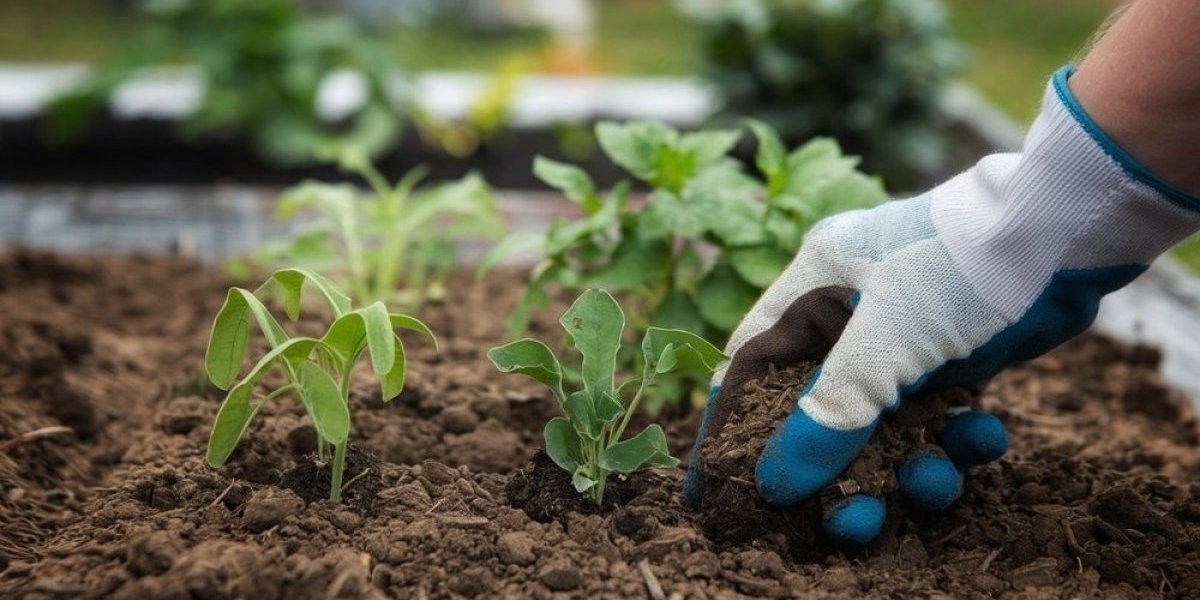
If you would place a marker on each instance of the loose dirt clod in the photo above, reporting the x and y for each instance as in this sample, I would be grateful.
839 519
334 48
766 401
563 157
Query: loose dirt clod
1098 496
732 512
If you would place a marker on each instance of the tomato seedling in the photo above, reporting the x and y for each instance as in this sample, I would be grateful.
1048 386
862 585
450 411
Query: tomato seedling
586 439
318 371
710 237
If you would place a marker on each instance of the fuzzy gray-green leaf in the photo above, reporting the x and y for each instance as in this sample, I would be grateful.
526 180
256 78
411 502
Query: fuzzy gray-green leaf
644 450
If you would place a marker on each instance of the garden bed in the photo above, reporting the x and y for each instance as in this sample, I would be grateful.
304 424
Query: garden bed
1095 498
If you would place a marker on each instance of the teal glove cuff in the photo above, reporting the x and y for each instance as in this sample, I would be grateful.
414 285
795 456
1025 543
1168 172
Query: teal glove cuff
1128 163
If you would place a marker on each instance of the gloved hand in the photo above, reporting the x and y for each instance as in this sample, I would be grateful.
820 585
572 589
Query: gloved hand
1000 264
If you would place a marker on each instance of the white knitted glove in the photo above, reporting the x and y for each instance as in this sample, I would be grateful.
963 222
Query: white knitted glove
997 265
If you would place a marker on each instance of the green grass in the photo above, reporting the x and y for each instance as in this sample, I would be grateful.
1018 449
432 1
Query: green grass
1016 44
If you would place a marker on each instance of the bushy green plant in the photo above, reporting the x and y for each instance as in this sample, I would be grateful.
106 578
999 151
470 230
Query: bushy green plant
393 243
317 371
869 73
586 440
262 64
709 238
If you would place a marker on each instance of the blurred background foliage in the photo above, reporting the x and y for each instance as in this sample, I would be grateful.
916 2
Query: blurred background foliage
1013 44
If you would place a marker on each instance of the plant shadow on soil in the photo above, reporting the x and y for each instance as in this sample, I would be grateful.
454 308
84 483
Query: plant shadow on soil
1098 496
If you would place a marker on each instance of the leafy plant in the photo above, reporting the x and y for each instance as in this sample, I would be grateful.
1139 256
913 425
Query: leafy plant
586 439
869 73
392 244
317 371
262 65
709 238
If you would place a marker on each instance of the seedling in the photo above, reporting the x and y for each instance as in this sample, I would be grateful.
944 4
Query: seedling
394 243
317 371
586 439
710 237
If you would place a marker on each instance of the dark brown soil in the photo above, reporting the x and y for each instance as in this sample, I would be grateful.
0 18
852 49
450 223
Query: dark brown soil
1097 497
732 512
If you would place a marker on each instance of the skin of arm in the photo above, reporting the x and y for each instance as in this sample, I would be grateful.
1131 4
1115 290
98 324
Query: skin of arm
1141 84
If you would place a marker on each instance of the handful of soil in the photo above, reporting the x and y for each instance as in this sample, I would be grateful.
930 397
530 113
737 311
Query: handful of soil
733 513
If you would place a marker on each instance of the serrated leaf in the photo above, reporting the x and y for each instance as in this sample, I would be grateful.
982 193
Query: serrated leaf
646 449
571 180
594 322
759 265
635 146
709 147
530 358
562 444
321 397
771 157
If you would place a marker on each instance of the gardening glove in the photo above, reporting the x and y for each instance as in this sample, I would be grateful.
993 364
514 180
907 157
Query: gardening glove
1000 264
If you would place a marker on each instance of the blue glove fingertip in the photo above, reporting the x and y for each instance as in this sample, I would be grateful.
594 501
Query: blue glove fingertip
804 456
693 483
974 438
856 520
929 480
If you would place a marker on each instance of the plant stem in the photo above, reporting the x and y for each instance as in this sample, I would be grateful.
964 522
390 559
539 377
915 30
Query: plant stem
629 410
339 464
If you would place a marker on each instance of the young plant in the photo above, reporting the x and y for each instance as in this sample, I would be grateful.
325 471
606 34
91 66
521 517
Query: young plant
869 73
392 244
586 439
317 371
710 237
263 65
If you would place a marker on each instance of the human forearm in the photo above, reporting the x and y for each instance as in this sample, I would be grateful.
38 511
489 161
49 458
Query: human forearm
1141 84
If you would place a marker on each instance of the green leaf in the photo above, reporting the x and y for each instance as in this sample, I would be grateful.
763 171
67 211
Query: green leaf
581 481
725 298
759 265
609 408
666 350
513 244
594 322
562 444
231 422
635 265
414 324
667 214
323 400
378 327
571 180
636 146
237 410
392 382
646 449
229 339
771 158
291 282
709 147
678 311
582 415
530 358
